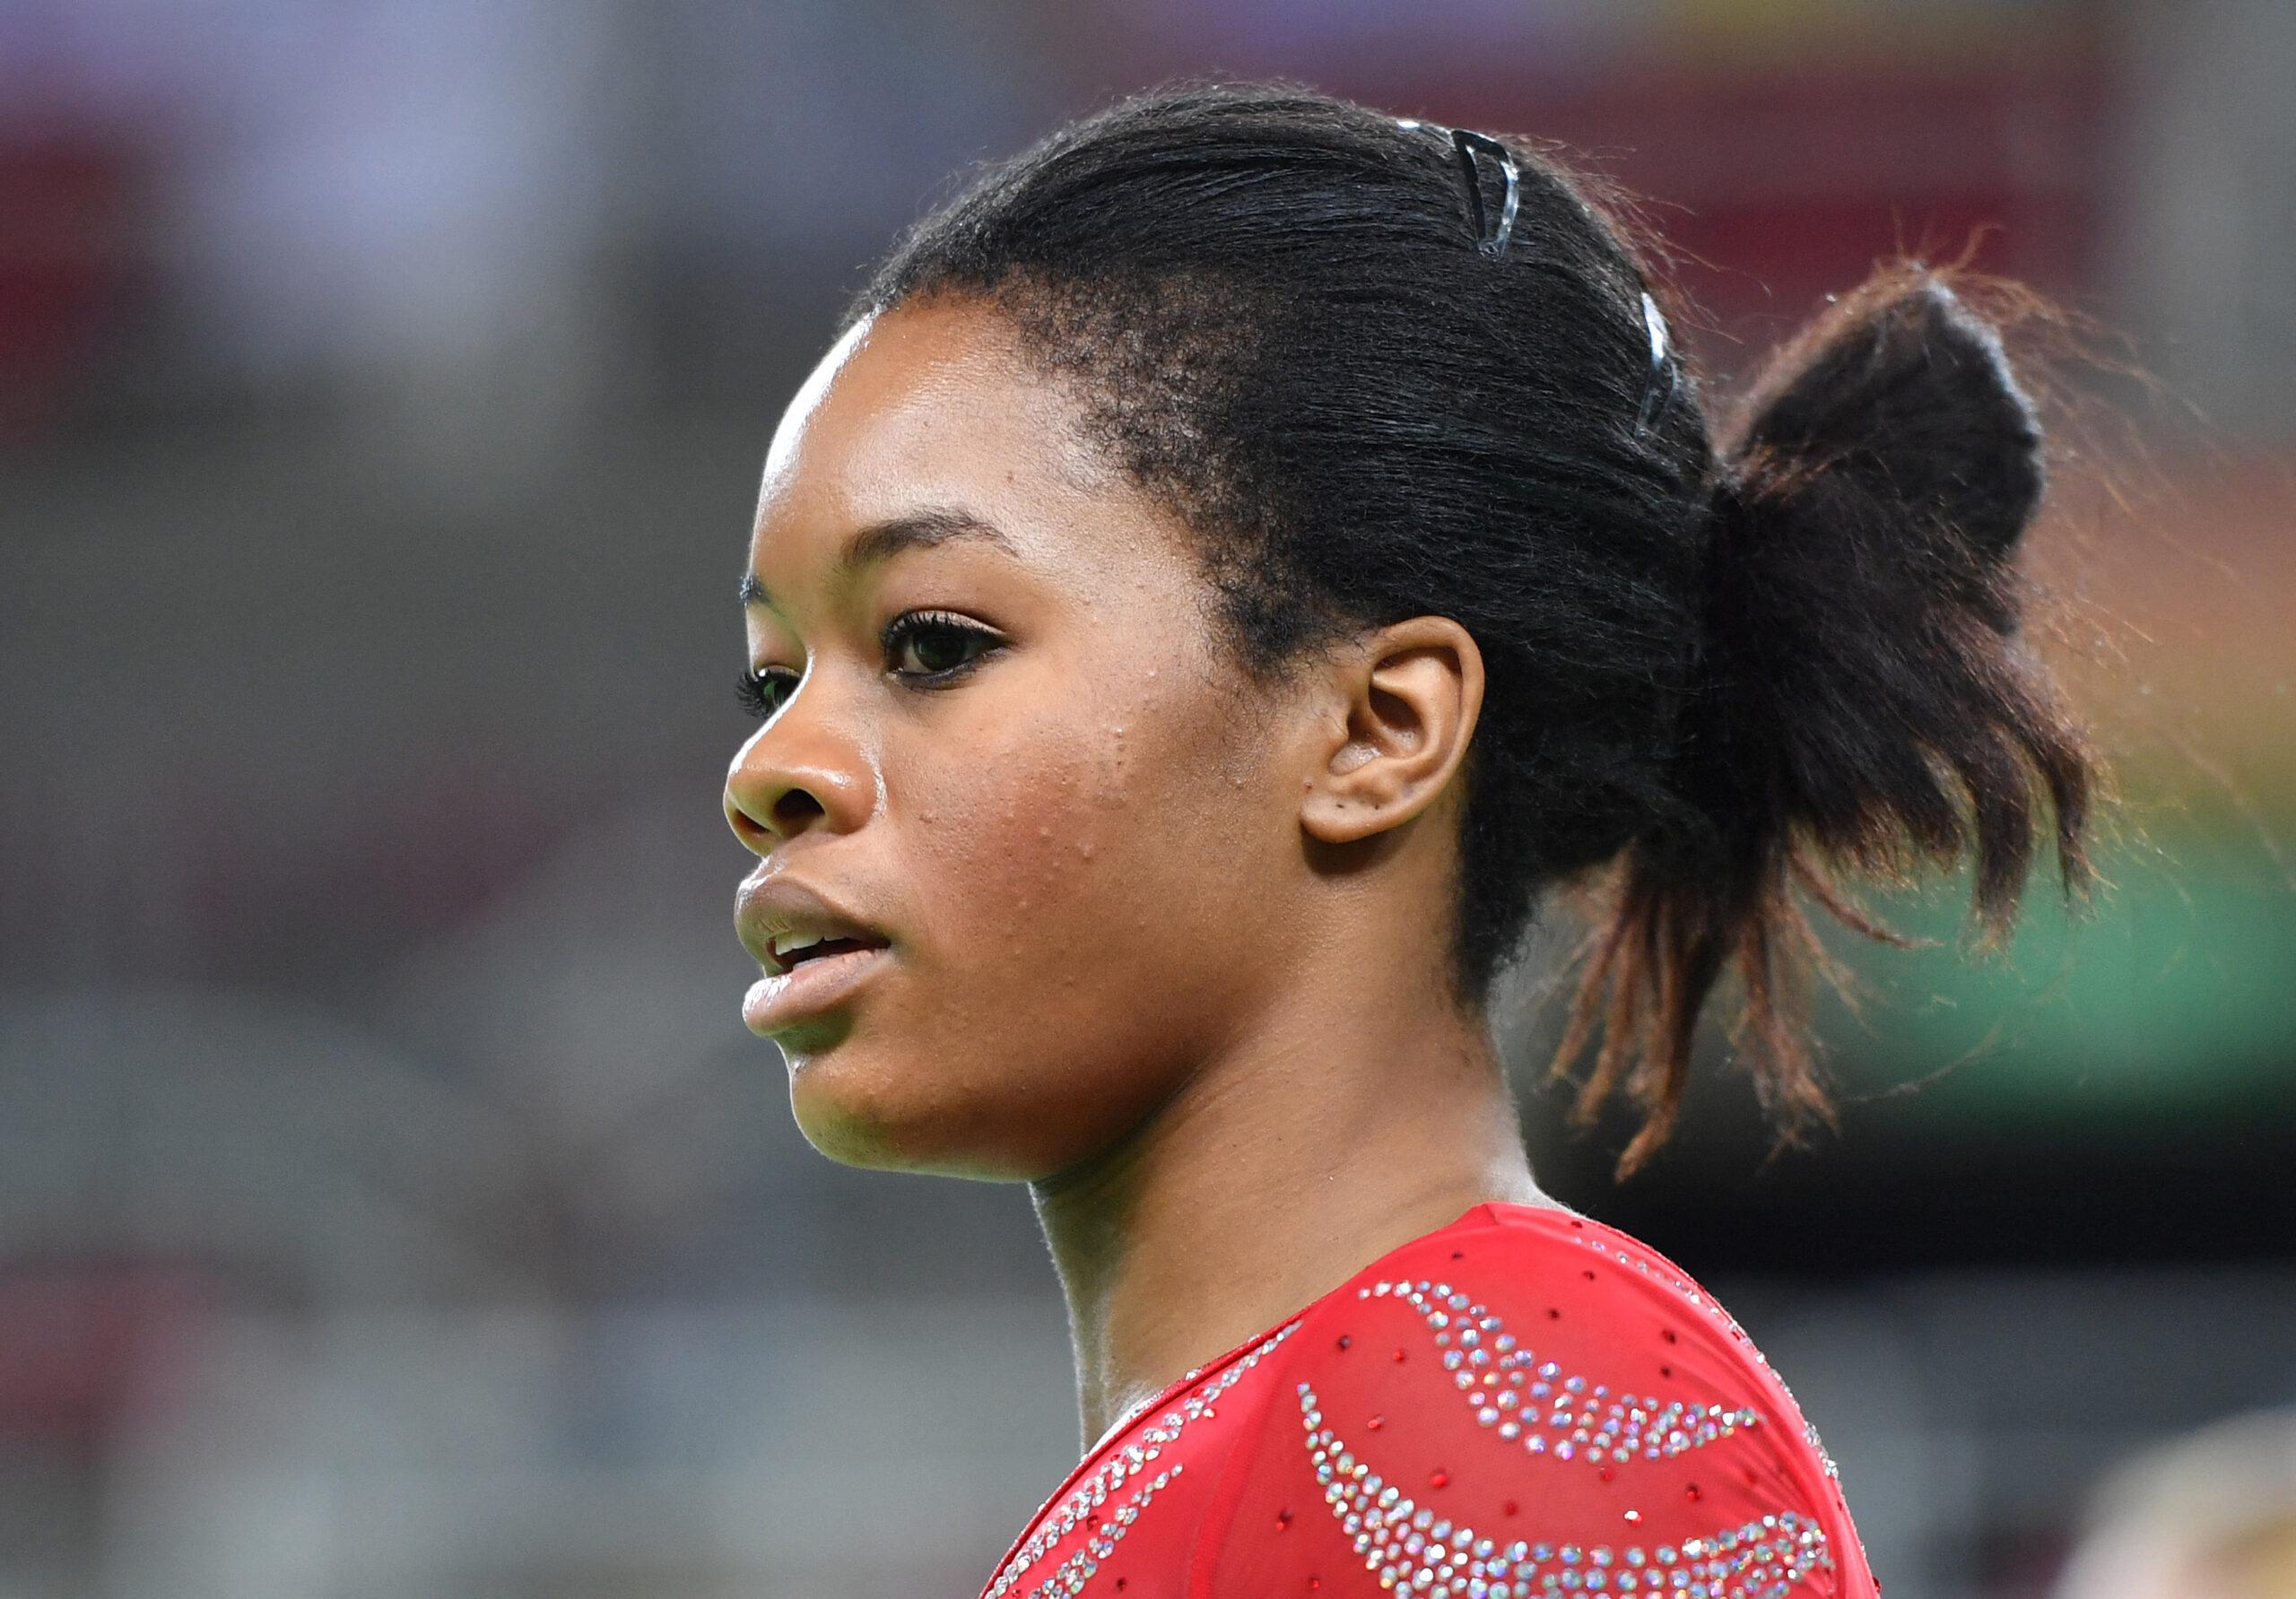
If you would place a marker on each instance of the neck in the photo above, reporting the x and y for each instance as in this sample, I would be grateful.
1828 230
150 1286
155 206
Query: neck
1275 1175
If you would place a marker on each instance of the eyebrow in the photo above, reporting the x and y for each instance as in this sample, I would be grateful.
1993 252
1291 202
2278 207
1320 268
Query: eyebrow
881 540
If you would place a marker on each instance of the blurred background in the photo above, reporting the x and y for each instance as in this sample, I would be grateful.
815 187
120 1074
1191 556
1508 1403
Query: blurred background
391 1200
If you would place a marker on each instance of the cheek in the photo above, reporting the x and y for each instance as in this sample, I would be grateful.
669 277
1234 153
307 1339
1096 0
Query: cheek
1078 887
1050 850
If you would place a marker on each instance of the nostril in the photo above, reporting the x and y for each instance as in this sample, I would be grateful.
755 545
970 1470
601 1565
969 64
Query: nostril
796 807
745 827
789 814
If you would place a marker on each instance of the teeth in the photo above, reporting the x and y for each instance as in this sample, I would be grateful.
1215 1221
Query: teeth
784 943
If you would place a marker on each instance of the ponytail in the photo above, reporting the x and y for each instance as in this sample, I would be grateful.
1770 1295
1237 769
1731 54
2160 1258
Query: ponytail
1862 699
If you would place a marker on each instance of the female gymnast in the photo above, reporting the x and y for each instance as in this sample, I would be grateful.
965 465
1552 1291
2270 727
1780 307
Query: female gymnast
1237 560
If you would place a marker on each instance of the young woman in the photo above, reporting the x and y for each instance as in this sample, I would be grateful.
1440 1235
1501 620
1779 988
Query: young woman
1237 557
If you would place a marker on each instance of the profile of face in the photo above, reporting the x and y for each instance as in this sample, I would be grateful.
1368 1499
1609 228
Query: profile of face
998 737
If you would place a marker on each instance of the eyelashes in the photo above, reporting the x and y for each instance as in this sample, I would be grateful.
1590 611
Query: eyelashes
759 695
933 633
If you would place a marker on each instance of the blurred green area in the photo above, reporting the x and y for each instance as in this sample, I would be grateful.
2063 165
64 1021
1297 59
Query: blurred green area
2170 993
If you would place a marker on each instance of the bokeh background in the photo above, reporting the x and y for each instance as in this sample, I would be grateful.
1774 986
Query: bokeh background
391 1200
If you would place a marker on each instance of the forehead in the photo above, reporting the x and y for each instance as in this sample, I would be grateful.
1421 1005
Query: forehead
929 405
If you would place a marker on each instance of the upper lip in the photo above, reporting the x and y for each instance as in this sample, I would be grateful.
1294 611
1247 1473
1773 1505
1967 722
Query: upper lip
764 911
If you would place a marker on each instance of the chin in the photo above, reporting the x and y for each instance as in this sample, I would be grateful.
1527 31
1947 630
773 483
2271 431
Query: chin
863 1110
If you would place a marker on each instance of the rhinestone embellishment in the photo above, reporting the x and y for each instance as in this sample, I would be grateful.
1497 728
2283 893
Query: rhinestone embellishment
1411 1550
1723 1319
1084 1506
1549 1410
1071 1574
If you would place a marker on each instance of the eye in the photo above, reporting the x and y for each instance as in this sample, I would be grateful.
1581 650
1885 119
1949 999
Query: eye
763 690
944 645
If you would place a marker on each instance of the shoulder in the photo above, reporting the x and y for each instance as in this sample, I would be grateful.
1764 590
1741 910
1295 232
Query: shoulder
1517 1402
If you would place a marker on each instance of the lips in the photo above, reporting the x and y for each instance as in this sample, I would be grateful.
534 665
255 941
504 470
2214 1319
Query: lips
814 951
792 956
784 923
780 1001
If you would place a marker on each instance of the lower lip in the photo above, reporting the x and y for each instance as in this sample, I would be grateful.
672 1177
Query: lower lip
807 988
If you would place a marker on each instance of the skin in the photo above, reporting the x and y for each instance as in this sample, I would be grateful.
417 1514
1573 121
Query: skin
1164 946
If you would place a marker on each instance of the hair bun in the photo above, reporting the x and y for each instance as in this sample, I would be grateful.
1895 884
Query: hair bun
1862 706
1900 389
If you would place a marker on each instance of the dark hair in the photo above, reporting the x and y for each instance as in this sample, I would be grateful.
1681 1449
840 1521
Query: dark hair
1714 662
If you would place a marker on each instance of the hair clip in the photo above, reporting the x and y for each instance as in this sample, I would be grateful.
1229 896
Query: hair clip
1491 240
1653 396
1466 143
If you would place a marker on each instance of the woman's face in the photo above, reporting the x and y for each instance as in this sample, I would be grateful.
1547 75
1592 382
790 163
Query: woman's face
1074 833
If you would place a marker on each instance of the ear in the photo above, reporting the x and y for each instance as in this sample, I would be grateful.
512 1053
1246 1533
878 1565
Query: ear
1407 698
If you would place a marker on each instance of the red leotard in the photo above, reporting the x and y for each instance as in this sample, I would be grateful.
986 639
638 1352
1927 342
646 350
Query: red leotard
1523 1403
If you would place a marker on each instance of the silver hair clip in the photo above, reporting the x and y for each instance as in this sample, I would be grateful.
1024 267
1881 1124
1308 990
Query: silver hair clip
1492 241
1653 396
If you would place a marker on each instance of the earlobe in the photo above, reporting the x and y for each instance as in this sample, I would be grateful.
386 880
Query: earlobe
1409 695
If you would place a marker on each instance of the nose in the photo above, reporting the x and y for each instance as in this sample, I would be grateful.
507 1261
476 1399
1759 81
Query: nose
791 776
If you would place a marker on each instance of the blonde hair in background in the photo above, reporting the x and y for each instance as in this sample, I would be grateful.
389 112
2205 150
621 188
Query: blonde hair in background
2209 1515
